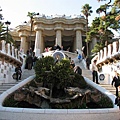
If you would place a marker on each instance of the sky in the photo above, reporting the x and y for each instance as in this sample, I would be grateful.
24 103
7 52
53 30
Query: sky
15 11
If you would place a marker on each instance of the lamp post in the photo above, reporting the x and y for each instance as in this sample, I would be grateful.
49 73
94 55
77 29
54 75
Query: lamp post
7 23
31 15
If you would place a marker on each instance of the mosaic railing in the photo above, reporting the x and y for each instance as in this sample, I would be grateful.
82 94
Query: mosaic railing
9 58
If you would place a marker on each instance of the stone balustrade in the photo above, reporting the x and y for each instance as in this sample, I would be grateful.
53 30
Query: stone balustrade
108 61
9 58
111 53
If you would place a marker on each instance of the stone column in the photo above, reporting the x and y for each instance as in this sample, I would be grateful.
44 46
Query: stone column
78 40
38 43
23 31
23 44
58 37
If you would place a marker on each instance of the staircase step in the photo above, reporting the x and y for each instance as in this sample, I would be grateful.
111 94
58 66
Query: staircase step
25 74
10 84
5 87
1 91
109 88
87 73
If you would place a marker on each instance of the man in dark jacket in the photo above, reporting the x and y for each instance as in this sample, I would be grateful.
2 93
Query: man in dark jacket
29 62
18 72
116 82
78 70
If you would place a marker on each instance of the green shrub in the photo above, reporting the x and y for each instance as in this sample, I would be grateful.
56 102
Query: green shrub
59 74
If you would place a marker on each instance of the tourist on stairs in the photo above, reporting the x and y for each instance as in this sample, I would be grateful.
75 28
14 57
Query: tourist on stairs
116 82
95 71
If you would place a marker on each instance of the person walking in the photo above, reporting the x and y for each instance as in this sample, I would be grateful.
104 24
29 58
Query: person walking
95 72
79 57
116 82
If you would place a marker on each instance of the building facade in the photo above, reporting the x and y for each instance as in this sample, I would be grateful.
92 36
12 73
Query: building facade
46 32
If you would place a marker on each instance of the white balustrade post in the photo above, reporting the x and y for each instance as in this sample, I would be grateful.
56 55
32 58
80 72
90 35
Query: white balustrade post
114 48
13 53
101 55
3 46
98 56
105 52
8 47
109 50
2 70
119 45
16 55
6 72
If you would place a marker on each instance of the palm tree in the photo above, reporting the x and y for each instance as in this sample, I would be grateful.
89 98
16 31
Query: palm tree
31 15
86 10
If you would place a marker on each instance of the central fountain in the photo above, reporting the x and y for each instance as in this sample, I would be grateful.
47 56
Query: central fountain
55 91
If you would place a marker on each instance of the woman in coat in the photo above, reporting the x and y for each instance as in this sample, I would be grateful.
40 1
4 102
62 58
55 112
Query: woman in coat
116 82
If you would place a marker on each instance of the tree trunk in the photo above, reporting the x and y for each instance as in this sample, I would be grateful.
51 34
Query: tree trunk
86 35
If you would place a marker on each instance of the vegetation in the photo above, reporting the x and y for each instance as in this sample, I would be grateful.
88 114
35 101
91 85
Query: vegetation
86 10
58 74
4 34
31 16
101 26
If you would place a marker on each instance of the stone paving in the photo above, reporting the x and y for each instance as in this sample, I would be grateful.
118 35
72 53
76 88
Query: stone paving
26 73
31 115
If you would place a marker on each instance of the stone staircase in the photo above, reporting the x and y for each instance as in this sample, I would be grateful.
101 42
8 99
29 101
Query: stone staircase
6 86
25 74
109 88
88 74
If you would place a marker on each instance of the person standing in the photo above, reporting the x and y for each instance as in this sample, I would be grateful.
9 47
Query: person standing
29 62
88 62
30 51
95 71
116 82
18 72
78 70
72 63
34 59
